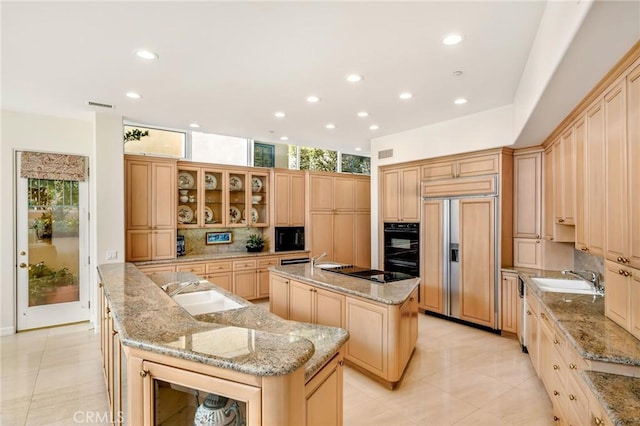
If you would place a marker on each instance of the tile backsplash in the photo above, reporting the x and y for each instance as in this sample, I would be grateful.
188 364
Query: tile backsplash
586 261
195 240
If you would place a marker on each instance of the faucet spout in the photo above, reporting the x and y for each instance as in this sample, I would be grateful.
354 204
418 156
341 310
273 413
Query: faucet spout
180 288
315 260
594 278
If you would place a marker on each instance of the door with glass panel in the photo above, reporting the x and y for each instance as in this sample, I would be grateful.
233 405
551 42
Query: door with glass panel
52 249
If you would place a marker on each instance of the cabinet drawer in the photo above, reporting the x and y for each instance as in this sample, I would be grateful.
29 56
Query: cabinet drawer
160 268
195 268
436 171
242 265
265 263
215 267
484 165
577 400
532 302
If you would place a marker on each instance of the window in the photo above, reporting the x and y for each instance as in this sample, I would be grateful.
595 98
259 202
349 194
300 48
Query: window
356 164
314 159
210 148
146 140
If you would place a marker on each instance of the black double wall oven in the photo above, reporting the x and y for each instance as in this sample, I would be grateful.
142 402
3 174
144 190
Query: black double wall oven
402 248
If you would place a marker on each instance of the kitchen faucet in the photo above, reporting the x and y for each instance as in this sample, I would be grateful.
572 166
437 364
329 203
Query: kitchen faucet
181 287
594 280
314 260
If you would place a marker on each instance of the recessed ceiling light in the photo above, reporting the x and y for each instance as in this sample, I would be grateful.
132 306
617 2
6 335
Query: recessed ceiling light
313 99
284 138
457 73
374 127
330 126
146 54
452 39
279 114
405 95
354 78
460 101
358 149
194 125
133 95
363 114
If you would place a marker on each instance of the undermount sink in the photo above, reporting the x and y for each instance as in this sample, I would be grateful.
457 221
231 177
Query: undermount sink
560 285
205 302
329 265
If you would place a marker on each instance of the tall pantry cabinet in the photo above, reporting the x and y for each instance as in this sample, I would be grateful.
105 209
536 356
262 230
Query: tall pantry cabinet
339 217
150 206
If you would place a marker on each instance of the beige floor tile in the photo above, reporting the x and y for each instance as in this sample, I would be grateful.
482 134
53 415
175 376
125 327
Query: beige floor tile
12 364
14 411
481 418
18 386
63 376
69 408
376 412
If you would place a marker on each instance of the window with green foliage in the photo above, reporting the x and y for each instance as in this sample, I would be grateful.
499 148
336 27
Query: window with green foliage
263 155
144 140
356 164
314 159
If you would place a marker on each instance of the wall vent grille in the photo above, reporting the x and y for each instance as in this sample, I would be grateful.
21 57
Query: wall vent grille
98 104
387 153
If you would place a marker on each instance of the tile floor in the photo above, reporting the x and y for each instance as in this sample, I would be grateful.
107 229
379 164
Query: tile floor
457 376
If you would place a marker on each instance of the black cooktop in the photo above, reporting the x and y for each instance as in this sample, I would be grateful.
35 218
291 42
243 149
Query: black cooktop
374 275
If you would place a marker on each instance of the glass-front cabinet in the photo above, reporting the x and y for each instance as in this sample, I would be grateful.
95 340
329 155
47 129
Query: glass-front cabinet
174 396
259 199
216 198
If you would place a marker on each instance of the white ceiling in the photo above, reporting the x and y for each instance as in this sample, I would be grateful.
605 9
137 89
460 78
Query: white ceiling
229 66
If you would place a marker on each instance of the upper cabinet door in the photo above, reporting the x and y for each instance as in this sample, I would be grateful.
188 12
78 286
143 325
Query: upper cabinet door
257 213
363 194
390 195
282 197
239 186
633 142
344 194
595 178
410 195
581 211
297 209
527 195
138 189
164 195
616 205
321 192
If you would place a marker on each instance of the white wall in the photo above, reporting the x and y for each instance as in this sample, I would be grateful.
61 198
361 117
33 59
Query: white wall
103 146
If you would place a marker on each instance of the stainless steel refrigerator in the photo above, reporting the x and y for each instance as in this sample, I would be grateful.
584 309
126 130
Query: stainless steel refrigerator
464 279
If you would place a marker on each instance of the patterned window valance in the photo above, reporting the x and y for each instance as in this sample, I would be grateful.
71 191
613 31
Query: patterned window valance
40 165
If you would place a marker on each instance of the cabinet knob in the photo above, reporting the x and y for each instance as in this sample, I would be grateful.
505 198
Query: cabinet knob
573 366
528 312
108 310
100 285
555 341
556 393
621 272
560 220
341 362
537 236
572 397
555 366
23 265
114 332
551 239
556 418
619 259
598 421
144 373
537 241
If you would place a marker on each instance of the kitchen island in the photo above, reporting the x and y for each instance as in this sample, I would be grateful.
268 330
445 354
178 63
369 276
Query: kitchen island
161 362
381 318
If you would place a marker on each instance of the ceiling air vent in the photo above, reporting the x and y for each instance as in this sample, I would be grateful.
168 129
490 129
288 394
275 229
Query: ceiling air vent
98 104
387 153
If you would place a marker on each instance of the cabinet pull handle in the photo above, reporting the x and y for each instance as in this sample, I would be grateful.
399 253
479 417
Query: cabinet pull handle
598 421
341 362
572 397
556 393
551 239
144 373
555 366
560 220
573 366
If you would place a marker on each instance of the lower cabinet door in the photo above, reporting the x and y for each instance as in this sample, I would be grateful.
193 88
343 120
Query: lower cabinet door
329 308
368 347
279 296
527 253
323 395
300 302
223 280
245 284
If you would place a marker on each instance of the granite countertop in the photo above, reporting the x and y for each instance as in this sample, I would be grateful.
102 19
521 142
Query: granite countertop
596 338
249 340
211 257
393 293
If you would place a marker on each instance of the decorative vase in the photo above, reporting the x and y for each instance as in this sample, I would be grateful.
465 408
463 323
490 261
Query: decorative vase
183 195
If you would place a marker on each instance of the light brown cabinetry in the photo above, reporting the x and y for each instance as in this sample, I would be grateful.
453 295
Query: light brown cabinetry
466 166
622 292
289 195
323 395
633 167
400 194
279 296
581 208
564 178
432 285
477 278
251 277
527 169
367 347
315 305
338 223
527 253
220 274
595 192
531 331
509 301
150 208
556 223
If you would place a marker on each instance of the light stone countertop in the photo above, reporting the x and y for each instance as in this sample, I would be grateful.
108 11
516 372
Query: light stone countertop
249 340
393 293
595 337
212 257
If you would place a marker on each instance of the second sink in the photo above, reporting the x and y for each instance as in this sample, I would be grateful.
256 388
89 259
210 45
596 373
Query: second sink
560 285
205 302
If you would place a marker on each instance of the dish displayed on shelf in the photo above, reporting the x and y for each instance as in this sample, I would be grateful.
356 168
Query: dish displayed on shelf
185 214
235 183
210 181
185 180
255 199
256 184
208 215
255 217
234 215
